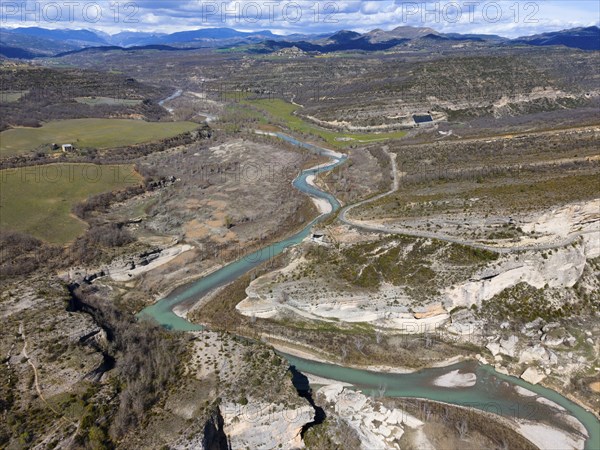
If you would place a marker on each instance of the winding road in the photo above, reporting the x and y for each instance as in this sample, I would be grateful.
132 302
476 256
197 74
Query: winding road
343 217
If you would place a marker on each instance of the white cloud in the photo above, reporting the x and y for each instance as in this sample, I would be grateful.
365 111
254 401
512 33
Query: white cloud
305 16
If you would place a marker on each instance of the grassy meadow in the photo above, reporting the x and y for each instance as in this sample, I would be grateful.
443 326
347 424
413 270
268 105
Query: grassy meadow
95 133
38 199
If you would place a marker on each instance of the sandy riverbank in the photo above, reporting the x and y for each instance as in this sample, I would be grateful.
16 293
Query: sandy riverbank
322 204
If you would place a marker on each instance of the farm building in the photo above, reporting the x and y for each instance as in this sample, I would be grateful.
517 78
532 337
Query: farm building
422 119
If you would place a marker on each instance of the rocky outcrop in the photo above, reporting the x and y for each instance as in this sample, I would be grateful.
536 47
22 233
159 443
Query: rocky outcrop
532 375
260 425
133 267
555 268
375 425
561 268
267 301
127 268
537 353
464 323
506 346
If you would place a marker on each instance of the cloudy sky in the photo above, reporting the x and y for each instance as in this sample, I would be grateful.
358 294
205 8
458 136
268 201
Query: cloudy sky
507 18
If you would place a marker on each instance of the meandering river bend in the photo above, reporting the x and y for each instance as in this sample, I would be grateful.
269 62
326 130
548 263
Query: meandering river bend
493 392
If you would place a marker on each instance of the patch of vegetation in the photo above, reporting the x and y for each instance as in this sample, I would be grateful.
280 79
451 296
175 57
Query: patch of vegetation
8 381
524 303
502 196
399 260
237 116
497 176
464 255
331 435
283 111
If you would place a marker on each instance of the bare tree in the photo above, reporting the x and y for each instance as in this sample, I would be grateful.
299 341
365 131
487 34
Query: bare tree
428 341
382 389
446 415
427 412
344 351
462 428
359 343
378 336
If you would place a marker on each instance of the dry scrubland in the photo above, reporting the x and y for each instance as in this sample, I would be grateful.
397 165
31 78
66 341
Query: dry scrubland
367 172
512 89
32 94
38 332
78 370
229 197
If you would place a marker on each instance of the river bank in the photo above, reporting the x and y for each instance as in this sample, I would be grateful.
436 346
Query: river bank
301 351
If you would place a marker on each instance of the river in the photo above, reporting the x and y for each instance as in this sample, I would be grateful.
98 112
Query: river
492 392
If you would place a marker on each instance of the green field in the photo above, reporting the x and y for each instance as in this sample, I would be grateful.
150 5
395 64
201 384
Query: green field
94 133
107 101
38 199
284 111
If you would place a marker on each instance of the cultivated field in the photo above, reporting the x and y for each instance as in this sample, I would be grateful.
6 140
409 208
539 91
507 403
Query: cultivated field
38 200
82 133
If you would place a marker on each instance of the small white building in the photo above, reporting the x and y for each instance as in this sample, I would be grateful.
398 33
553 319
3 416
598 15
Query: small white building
67 147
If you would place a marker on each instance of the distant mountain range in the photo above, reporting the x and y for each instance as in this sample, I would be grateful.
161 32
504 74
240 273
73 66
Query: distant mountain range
83 36
377 40
110 48
35 42
583 38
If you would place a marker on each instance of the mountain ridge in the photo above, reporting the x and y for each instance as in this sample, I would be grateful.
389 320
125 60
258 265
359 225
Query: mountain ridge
32 42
